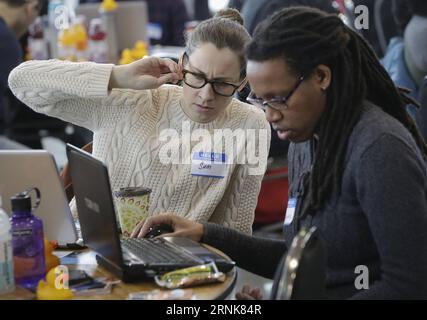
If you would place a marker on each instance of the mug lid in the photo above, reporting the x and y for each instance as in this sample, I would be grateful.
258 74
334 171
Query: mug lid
132 191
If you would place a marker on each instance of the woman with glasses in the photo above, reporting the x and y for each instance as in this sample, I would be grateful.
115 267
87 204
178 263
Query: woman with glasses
167 137
357 163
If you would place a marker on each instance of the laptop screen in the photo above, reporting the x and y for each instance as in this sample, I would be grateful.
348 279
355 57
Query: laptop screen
95 206
21 169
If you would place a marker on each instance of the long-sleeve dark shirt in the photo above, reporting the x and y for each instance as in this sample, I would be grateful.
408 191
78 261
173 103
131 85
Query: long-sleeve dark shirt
11 56
255 11
172 16
379 219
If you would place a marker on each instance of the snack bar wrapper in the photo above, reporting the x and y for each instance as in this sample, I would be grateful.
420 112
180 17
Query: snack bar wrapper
192 276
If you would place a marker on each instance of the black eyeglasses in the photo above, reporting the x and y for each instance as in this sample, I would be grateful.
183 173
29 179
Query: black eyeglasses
198 80
277 103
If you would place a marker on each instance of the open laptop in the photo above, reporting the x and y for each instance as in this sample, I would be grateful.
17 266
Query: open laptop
22 169
131 20
128 258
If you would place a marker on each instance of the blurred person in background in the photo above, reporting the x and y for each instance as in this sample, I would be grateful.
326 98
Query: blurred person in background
254 11
236 4
406 56
15 17
198 10
382 25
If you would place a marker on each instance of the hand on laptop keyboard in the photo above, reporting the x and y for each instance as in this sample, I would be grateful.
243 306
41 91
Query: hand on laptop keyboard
181 227
158 230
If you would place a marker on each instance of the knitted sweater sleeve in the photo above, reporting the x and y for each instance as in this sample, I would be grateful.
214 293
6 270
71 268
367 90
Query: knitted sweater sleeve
74 92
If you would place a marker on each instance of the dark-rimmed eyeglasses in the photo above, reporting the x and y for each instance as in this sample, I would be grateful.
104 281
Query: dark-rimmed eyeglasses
198 80
277 103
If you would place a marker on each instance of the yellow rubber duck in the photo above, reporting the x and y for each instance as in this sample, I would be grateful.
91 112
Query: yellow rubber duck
66 39
51 260
127 57
108 5
46 290
80 37
139 50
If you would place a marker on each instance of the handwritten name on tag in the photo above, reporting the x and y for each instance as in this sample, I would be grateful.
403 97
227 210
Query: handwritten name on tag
208 164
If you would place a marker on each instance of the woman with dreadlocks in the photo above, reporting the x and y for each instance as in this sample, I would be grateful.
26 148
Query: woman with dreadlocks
357 167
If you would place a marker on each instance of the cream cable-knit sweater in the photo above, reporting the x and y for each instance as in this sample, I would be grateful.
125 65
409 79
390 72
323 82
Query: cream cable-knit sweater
126 126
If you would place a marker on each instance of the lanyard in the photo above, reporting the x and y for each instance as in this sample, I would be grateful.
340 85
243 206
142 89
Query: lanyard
303 190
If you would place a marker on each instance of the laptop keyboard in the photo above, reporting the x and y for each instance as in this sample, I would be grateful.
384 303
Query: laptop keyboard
157 251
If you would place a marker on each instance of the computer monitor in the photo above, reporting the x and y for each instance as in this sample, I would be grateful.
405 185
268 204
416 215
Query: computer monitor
131 20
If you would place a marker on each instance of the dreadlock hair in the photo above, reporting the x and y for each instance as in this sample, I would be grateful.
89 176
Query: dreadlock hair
307 37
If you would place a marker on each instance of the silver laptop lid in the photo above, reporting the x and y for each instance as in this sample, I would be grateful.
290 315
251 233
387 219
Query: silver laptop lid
21 169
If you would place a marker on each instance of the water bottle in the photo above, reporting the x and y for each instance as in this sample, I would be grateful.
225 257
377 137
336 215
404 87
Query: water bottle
66 40
55 10
80 39
108 10
27 240
98 46
7 283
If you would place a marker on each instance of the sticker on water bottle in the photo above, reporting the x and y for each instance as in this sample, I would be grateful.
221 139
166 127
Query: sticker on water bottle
7 283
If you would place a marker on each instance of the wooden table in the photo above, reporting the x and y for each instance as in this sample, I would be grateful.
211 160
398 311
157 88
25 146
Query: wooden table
86 261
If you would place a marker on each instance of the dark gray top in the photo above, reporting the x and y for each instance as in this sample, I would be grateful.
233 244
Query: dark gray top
379 220
11 56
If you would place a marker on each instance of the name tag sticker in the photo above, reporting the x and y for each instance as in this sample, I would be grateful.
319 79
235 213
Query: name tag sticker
290 211
208 164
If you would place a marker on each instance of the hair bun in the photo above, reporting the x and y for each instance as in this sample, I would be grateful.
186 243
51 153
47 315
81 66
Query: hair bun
230 13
